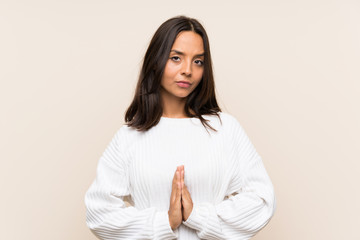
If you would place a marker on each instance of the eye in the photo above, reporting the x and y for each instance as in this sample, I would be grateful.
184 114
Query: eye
199 62
175 58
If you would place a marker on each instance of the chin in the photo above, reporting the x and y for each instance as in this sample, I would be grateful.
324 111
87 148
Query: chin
182 95
178 94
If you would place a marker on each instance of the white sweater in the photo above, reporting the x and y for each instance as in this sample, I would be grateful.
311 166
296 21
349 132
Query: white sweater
231 191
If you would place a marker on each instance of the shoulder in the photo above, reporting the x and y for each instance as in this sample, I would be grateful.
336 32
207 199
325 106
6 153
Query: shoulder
125 136
229 120
227 117
232 126
227 124
223 115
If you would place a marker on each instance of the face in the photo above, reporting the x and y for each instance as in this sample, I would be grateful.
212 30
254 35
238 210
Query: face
185 66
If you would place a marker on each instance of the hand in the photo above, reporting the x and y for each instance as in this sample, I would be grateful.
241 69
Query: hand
175 213
186 201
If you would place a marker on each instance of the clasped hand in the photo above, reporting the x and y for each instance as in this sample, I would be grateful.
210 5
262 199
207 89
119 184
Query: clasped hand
181 203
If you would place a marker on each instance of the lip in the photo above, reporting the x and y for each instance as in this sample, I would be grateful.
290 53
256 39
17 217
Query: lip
183 84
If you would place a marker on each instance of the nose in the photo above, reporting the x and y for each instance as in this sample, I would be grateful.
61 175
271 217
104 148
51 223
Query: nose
186 68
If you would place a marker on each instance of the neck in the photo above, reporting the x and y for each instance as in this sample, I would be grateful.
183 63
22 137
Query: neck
173 107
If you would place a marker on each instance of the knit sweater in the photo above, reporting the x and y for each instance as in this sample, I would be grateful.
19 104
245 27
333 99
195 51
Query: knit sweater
233 196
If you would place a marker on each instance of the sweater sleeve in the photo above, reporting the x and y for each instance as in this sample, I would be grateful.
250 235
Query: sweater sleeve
250 201
107 215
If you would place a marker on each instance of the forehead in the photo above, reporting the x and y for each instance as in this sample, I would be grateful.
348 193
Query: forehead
189 41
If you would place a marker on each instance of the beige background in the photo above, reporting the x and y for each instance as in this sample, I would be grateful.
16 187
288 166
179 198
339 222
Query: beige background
288 70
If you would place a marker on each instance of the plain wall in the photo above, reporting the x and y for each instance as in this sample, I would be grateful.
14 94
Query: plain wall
287 70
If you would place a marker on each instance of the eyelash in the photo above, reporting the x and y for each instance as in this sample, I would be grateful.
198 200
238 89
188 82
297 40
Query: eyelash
176 58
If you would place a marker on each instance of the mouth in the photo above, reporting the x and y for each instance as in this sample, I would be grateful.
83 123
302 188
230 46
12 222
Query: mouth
183 84
187 82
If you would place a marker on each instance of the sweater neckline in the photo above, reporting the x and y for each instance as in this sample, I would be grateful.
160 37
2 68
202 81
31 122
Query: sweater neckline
179 120
184 120
174 119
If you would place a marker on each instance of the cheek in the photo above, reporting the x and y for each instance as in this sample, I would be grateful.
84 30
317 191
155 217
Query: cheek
170 70
198 74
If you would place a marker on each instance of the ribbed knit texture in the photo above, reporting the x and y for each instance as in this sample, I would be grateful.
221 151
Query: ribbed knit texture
231 191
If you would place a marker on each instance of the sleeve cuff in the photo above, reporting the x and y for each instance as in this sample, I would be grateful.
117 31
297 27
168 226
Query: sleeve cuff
197 217
162 228
205 221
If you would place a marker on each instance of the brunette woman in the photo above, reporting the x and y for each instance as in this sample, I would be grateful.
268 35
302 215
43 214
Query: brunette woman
188 170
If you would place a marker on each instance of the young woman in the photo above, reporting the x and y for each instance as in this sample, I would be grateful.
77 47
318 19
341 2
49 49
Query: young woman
188 170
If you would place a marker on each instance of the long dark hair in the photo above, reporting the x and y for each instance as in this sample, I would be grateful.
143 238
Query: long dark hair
146 109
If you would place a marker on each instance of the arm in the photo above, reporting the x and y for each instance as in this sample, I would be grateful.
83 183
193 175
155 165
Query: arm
106 213
251 201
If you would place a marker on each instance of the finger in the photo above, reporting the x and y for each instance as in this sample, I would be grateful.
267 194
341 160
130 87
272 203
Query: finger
182 178
179 170
186 193
178 189
174 185
178 181
174 178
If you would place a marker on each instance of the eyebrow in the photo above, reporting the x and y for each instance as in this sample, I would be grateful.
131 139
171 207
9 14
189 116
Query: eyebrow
181 53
